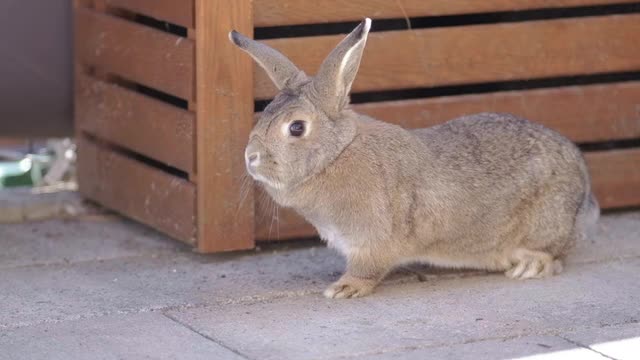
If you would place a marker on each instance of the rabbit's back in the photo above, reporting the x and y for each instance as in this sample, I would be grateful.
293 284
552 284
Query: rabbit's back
494 147
500 180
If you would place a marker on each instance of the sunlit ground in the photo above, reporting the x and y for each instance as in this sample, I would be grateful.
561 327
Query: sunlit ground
619 349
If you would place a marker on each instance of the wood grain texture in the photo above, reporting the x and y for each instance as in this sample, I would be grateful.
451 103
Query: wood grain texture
179 12
135 52
224 120
477 53
134 121
589 113
615 179
294 12
136 190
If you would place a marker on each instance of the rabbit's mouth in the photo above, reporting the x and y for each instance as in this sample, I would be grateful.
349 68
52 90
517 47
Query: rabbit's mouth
275 184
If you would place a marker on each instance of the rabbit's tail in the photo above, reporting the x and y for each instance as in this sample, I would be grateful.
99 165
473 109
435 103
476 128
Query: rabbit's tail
587 216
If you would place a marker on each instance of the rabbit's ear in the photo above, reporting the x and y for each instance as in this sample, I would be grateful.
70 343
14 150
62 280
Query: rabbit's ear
333 81
280 69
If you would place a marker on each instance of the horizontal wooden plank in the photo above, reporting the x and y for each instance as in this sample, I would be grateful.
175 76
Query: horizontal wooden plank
148 195
589 113
294 12
137 122
136 52
615 177
179 12
477 53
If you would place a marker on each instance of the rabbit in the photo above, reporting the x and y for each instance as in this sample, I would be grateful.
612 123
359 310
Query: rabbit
487 191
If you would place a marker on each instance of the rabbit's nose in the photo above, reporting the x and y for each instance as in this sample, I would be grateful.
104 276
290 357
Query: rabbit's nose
253 159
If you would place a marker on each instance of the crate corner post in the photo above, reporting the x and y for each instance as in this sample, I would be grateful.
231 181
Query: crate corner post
224 111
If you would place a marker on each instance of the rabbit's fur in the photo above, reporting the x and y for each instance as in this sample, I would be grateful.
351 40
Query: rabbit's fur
486 191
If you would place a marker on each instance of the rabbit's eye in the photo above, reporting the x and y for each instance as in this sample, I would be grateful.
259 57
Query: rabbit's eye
296 128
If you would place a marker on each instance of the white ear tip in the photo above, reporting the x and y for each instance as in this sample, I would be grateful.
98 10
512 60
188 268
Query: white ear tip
235 38
367 24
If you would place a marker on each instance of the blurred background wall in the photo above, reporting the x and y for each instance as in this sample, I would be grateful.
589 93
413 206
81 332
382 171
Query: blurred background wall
35 68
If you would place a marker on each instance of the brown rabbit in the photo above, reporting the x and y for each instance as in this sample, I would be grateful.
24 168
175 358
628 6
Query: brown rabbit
485 191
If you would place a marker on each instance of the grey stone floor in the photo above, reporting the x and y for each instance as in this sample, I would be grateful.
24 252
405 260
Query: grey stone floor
110 289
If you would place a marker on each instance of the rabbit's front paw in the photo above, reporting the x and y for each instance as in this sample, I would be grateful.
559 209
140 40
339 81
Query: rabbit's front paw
349 287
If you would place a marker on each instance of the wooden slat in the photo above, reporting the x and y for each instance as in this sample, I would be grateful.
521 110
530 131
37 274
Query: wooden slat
224 120
147 126
145 194
293 12
589 113
135 52
476 54
179 12
615 177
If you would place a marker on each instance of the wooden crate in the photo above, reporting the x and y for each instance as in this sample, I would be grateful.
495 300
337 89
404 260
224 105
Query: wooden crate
164 103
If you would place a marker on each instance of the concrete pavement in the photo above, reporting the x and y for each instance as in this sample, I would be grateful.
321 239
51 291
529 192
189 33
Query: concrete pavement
112 289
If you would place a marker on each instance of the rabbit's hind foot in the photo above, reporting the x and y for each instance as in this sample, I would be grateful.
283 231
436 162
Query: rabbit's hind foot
350 287
532 264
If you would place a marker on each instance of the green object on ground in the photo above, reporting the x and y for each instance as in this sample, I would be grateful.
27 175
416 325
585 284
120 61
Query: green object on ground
24 172
15 173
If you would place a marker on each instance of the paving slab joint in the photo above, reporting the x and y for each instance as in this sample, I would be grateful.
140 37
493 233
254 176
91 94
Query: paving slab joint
581 345
192 329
